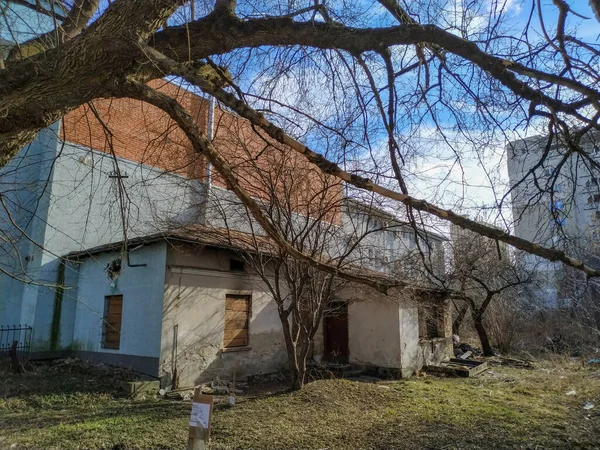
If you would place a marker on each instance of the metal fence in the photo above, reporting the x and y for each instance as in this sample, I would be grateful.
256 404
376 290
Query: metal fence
21 334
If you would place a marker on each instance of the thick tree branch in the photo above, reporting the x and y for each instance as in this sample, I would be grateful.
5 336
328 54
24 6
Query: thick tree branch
284 31
331 168
202 144
39 90
77 19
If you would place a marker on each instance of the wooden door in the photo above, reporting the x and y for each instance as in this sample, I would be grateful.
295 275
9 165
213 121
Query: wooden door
336 334
112 321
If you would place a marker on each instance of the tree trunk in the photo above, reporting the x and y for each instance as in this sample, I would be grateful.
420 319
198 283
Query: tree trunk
482 333
297 363
297 353
462 312
298 377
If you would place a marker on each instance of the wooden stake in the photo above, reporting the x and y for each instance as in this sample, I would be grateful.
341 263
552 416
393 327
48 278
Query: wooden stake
198 434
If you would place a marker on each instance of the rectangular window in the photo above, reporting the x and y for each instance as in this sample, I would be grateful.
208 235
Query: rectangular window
236 265
429 321
113 313
558 222
409 238
237 315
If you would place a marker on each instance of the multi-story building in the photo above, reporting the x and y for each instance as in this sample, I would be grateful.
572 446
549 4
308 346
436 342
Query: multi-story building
556 203
389 244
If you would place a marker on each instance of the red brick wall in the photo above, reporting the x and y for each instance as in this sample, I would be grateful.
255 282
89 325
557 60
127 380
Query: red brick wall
142 133
267 168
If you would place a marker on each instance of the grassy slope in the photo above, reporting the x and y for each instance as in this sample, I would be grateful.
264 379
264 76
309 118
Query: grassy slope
511 408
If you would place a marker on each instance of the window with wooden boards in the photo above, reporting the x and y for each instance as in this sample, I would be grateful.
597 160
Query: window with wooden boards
113 313
237 316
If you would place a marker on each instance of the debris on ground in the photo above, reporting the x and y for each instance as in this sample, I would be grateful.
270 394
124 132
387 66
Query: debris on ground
588 405
571 393
511 362
465 355
458 367
136 389
460 349
184 394
593 361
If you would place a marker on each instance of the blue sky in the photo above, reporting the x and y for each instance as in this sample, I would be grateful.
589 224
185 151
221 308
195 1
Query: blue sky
441 178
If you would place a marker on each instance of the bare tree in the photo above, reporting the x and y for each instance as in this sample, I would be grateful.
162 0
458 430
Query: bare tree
305 206
326 76
483 273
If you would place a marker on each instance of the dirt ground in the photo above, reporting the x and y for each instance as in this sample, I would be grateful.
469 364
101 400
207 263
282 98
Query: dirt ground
74 405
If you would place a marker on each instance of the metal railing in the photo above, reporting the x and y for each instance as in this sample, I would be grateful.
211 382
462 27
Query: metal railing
21 334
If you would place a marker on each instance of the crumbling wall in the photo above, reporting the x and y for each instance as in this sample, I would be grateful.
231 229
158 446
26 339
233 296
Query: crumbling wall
196 284
416 351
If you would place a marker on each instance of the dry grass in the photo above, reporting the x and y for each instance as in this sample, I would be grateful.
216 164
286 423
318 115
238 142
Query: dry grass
510 408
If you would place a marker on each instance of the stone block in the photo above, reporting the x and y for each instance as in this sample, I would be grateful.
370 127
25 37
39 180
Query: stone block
137 388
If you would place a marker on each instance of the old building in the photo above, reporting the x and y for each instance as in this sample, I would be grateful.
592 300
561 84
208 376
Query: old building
556 203
113 252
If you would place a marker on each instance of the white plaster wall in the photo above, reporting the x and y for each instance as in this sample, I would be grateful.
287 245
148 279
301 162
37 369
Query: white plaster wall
409 337
196 284
142 290
374 337
384 331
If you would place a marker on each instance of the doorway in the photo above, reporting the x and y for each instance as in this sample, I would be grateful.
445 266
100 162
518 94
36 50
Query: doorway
336 333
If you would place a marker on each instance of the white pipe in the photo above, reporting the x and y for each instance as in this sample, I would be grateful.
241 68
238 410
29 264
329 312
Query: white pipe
211 134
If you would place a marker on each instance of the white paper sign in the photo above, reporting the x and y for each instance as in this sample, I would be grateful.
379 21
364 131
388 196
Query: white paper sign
232 400
200 415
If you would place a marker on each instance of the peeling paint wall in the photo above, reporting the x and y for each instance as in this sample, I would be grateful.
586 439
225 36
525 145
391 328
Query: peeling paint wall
197 281
374 338
383 331
416 352
142 290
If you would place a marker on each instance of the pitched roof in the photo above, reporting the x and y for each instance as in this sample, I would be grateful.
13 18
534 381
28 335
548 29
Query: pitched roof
228 239
198 234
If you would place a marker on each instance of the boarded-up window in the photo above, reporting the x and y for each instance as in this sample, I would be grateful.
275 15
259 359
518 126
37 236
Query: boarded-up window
113 312
429 321
237 313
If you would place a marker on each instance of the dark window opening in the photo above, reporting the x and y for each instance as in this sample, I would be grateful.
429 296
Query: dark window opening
430 321
111 329
236 265
593 199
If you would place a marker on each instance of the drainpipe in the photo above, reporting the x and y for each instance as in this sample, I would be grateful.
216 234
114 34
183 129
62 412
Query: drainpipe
210 132
129 263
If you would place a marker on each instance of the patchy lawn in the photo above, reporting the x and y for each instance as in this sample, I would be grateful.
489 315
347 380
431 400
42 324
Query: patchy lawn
67 406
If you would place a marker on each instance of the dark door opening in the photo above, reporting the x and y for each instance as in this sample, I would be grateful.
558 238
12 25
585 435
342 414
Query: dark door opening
336 333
